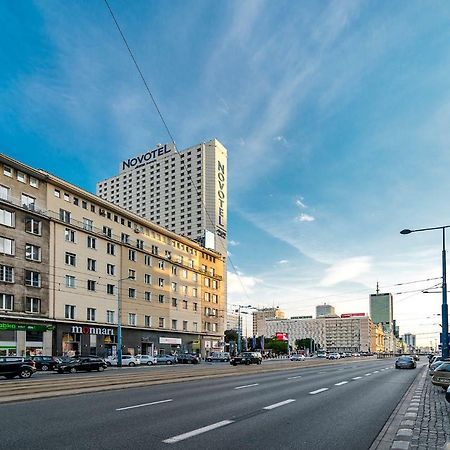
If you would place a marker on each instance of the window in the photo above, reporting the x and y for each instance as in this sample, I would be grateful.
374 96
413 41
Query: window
174 324
83 204
207 297
132 255
195 326
69 311
110 249
161 282
140 244
110 269
20 177
91 264
28 202
32 305
207 282
161 298
168 254
66 197
64 215
4 192
194 292
215 299
6 301
7 218
109 316
147 321
32 278
214 326
147 278
70 259
91 242
90 314
69 235
131 274
33 226
215 284
174 270
91 285
132 319
184 273
148 296
34 182
7 171
110 289
194 276
195 306
174 286
184 290
87 224
147 260
70 281
57 193
125 238
185 325
32 252
185 304
161 322
107 232
6 274
155 249
174 302
131 293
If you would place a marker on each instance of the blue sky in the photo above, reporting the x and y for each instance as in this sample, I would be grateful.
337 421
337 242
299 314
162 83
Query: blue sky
335 115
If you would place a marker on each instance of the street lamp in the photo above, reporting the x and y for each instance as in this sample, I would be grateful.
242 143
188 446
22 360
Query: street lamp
444 309
119 319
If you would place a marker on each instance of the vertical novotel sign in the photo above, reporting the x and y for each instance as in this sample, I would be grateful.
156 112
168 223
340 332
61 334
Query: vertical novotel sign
221 218
145 158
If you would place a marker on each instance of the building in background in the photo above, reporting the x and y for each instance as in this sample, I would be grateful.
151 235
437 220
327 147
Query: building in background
261 315
325 311
232 322
382 312
410 340
66 257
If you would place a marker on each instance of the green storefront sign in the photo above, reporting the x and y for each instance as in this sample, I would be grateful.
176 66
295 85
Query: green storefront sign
6 326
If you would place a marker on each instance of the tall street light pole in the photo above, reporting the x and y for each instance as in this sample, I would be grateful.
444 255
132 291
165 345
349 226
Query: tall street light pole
119 319
444 310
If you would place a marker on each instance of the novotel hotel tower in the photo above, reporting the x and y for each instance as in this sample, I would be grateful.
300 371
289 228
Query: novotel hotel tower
158 185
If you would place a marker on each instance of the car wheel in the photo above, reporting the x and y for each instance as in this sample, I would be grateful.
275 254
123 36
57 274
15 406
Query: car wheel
132 364
247 363
209 359
108 363
149 363
72 370
101 368
168 363
44 367
25 373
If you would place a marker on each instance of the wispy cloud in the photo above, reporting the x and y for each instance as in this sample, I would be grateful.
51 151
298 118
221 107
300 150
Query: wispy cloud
233 243
241 284
283 261
305 218
299 202
347 269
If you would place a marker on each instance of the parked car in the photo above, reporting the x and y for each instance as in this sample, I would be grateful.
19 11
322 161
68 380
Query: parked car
405 362
247 358
127 360
334 356
187 358
356 355
166 359
447 394
441 376
13 366
45 363
147 359
434 359
86 364
321 355
218 356
436 364
298 357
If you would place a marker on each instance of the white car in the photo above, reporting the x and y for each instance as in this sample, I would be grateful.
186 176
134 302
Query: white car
147 359
127 360
298 357
334 356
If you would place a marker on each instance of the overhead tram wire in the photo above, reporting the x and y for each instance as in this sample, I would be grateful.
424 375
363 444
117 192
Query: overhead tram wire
171 137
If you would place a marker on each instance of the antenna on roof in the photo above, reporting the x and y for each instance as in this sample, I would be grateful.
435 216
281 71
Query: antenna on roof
378 288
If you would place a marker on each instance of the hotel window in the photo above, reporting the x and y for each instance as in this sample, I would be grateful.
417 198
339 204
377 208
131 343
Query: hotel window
131 293
207 297
32 305
110 269
20 177
69 311
174 324
147 321
70 259
109 316
132 255
185 325
69 235
185 273
161 298
110 289
6 274
91 242
91 285
90 314
6 301
7 218
110 249
7 171
70 281
125 238
184 290
4 192
28 202
33 226
76 201
107 231
64 215
140 244
87 224
32 278
147 278
148 296
84 204
161 322
91 264
174 270
32 252
132 319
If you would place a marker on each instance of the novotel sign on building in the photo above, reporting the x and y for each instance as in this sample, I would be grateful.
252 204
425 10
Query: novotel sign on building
93 330
145 158
347 315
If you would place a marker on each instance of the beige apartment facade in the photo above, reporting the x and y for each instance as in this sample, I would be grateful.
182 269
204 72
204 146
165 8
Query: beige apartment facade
101 256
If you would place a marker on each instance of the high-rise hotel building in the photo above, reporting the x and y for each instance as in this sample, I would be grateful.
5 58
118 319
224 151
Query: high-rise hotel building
185 193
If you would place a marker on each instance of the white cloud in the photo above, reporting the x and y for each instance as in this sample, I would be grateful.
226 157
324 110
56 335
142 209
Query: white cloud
283 261
241 284
233 243
280 139
347 269
299 202
305 218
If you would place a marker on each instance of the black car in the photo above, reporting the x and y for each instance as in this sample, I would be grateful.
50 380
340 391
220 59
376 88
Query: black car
188 359
246 358
13 366
85 364
45 363
405 362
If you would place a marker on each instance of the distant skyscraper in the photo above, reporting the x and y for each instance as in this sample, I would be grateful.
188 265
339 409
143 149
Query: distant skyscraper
382 310
410 339
259 319
325 311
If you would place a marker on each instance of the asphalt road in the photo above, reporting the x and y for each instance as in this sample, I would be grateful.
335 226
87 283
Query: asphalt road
330 407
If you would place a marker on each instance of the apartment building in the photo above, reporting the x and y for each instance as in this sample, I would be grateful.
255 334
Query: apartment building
261 315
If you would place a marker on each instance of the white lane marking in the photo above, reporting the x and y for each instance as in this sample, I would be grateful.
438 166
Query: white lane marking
322 371
367 374
389 367
293 378
247 385
318 391
356 378
143 404
182 437
376 371
277 405
341 383
340 369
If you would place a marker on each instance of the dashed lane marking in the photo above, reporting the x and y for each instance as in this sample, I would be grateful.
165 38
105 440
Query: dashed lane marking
247 386
318 391
341 383
356 378
367 374
277 405
143 404
182 437
293 378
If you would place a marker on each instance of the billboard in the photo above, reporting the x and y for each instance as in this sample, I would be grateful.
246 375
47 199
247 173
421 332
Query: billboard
281 337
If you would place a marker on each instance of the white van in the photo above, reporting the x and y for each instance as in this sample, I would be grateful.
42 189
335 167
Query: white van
218 356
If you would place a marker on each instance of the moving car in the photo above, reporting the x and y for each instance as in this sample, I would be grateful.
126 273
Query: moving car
13 366
247 358
147 359
166 359
298 357
188 359
405 362
441 376
45 363
82 364
334 356
218 356
127 360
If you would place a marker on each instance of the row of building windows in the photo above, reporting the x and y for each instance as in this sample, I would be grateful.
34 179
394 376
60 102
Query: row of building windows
20 176
32 304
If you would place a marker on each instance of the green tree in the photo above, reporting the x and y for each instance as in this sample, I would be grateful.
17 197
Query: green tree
277 347
304 344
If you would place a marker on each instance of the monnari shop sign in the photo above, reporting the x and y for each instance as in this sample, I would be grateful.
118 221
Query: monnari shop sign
93 330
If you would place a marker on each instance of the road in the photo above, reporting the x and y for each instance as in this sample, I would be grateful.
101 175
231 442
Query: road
340 406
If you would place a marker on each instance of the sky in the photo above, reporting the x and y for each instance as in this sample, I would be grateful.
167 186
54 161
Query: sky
335 116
